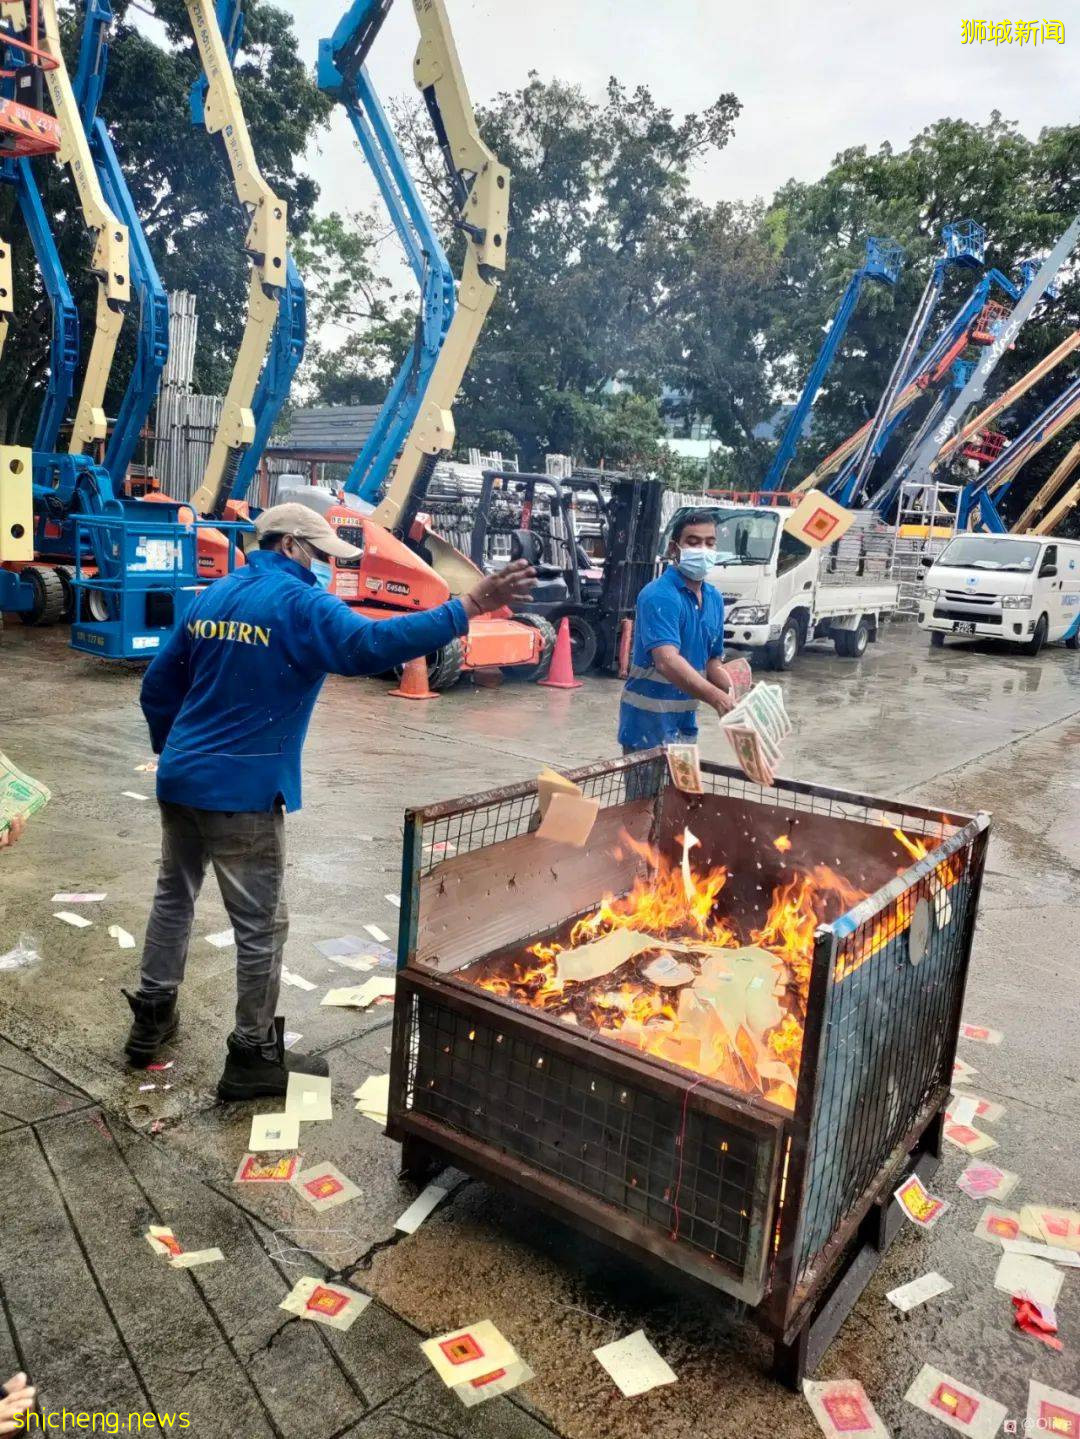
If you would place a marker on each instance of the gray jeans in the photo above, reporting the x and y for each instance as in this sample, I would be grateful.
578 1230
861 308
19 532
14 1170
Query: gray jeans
248 854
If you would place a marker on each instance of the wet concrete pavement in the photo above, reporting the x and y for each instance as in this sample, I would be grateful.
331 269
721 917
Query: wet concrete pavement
90 1312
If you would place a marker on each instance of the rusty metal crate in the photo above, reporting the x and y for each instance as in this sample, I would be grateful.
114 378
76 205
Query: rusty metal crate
775 1208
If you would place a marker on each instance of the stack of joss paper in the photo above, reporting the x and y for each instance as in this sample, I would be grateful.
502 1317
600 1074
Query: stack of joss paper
755 727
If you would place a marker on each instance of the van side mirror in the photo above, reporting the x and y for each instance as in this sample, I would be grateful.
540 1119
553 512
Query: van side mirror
926 561
1048 572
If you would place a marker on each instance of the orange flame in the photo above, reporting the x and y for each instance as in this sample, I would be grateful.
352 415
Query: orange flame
782 842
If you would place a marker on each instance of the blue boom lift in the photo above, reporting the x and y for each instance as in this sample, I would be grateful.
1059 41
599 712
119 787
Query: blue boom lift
882 263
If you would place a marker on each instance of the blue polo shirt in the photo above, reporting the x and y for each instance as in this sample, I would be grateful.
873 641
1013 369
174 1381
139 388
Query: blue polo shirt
229 697
654 712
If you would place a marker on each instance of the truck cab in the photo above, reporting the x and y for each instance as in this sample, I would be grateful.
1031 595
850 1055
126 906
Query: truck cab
778 593
1023 589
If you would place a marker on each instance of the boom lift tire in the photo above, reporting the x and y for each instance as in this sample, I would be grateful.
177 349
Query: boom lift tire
851 644
546 630
67 579
48 607
1038 639
444 666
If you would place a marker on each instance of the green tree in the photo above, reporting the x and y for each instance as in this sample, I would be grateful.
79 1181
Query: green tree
599 207
359 326
180 185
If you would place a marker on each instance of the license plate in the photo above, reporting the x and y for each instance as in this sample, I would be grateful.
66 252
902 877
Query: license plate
962 627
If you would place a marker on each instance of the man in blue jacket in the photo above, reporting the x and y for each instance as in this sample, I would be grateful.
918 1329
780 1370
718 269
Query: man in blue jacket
228 701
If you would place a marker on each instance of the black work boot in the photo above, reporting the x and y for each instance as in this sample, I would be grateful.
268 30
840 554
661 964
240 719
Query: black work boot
250 1075
155 1023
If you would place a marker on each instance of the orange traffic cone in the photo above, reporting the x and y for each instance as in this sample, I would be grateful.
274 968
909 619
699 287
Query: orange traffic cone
561 673
414 682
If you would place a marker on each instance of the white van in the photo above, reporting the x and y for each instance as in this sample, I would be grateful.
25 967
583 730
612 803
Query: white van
1020 588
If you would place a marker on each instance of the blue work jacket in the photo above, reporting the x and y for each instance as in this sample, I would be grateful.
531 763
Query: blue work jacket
229 697
654 712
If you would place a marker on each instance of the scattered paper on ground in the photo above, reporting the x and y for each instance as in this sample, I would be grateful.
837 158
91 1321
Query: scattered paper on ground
968 1138
425 1202
335 1305
274 1131
130 794
222 939
1029 1278
291 1037
162 1240
997 1224
980 1033
377 933
962 1072
308 1097
500 1381
360 996
123 939
962 1109
921 1207
569 819
467 1354
1051 1411
955 1404
395 900
981 1180
548 783
296 980
1042 1251
634 1364
256 1170
373 1097
1059 1227
1037 1321
150 767
987 1110
77 920
160 1064
76 898
343 944
190 1259
841 1406
927 1286
324 1186
601 956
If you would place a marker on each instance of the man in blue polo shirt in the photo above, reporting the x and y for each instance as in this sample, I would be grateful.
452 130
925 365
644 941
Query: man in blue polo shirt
228 701
678 644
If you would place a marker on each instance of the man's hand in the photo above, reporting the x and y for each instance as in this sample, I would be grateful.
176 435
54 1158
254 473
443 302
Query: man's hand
16 1397
13 832
722 702
510 586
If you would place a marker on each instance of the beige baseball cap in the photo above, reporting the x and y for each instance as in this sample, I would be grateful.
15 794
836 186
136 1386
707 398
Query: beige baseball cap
304 524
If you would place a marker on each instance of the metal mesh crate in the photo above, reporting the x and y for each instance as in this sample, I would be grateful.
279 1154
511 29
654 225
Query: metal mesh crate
766 1204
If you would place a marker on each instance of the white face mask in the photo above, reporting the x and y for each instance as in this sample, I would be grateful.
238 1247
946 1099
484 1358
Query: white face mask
695 564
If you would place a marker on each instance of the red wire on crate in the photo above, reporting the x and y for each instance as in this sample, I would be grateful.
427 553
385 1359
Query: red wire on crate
679 1146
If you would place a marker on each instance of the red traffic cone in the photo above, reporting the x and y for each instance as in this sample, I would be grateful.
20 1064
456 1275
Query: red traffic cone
561 673
414 682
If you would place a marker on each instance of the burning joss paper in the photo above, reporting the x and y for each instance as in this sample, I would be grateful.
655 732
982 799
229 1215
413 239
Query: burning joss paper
840 1406
955 1404
920 1207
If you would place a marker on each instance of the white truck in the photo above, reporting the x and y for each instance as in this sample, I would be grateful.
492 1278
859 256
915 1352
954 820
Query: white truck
779 594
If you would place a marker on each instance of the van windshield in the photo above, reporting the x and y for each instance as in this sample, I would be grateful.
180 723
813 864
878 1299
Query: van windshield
746 537
988 552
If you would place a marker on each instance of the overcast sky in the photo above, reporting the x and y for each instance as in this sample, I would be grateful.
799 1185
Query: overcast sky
814 76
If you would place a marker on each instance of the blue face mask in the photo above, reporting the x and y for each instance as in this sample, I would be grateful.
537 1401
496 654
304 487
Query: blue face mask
695 564
322 572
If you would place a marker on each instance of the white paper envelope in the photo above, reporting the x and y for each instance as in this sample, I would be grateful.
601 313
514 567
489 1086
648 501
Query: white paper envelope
308 1097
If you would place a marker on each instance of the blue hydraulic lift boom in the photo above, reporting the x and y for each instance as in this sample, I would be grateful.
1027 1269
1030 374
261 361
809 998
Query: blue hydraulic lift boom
343 75
152 343
882 262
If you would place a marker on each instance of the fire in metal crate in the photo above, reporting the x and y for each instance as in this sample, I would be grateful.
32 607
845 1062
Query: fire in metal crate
719 1035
